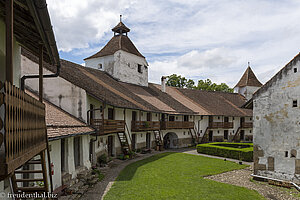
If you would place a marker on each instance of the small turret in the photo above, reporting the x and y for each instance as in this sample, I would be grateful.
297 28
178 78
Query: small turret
248 84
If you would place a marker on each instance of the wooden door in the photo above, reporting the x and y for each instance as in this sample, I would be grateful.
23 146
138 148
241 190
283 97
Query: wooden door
148 117
133 143
134 116
225 134
110 145
77 147
242 135
148 140
110 113
210 136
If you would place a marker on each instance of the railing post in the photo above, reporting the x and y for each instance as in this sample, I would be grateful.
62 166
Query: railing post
9 20
41 73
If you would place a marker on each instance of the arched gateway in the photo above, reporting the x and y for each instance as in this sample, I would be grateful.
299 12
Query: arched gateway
170 141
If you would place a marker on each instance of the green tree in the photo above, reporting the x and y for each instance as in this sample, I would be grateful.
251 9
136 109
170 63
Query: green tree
175 80
181 82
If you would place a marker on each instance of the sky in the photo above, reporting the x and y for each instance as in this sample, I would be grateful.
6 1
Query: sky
198 39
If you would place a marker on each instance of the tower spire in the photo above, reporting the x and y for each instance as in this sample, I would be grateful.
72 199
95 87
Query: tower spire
120 18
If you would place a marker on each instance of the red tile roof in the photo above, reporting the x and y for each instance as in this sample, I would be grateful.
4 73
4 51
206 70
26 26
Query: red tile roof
60 123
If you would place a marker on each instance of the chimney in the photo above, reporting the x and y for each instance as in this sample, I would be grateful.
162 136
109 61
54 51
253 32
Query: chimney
163 83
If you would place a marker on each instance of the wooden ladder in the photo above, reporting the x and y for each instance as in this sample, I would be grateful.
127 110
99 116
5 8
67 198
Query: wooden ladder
124 143
29 182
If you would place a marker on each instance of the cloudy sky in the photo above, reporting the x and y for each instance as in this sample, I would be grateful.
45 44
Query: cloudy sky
198 39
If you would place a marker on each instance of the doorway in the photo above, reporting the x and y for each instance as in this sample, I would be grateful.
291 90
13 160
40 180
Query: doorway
133 118
91 153
110 143
148 140
77 156
133 143
210 136
242 135
225 134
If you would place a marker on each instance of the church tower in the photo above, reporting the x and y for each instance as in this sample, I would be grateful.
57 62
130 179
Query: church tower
120 58
248 84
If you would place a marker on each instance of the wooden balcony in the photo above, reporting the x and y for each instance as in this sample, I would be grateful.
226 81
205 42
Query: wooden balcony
24 133
176 125
216 125
145 126
247 125
109 126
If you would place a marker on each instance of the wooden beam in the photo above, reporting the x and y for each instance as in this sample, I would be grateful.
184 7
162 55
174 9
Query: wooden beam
9 39
41 73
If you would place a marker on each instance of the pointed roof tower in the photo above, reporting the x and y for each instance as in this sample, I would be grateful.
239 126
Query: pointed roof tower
248 79
120 41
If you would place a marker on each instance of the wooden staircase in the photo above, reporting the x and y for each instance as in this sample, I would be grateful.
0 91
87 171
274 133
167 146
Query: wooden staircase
194 134
31 179
158 138
124 143
234 139
204 138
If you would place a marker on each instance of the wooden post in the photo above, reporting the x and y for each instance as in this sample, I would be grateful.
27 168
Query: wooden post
9 12
41 73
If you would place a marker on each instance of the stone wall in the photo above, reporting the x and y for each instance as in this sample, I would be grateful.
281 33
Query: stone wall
276 126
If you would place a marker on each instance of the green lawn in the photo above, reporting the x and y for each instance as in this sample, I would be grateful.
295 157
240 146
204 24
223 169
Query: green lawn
177 176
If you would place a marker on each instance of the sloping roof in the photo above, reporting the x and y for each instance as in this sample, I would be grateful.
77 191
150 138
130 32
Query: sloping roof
248 79
118 42
217 103
32 26
105 88
60 123
120 27
277 76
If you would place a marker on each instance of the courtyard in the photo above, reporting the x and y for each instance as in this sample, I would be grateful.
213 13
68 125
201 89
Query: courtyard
173 175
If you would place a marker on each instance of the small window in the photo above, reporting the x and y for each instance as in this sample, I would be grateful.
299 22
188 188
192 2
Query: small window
100 66
295 103
218 117
295 70
200 131
139 68
183 132
286 153
250 131
233 119
250 118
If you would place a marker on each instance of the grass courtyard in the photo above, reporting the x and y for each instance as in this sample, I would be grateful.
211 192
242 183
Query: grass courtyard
177 176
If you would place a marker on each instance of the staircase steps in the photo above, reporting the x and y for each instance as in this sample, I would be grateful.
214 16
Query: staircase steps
27 174
124 143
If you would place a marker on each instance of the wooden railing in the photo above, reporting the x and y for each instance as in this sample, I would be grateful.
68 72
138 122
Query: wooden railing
176 125
214 125
247 125
109 126
24 134
145 125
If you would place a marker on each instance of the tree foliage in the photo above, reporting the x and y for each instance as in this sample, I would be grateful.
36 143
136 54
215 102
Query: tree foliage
181 82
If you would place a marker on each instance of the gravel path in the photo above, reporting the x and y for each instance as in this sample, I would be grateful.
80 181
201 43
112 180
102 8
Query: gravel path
242 178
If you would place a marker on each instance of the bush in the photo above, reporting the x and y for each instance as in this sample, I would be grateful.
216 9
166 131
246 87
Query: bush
228 150
102 159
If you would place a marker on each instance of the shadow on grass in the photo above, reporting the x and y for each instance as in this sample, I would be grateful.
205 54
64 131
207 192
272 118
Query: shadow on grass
128 172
